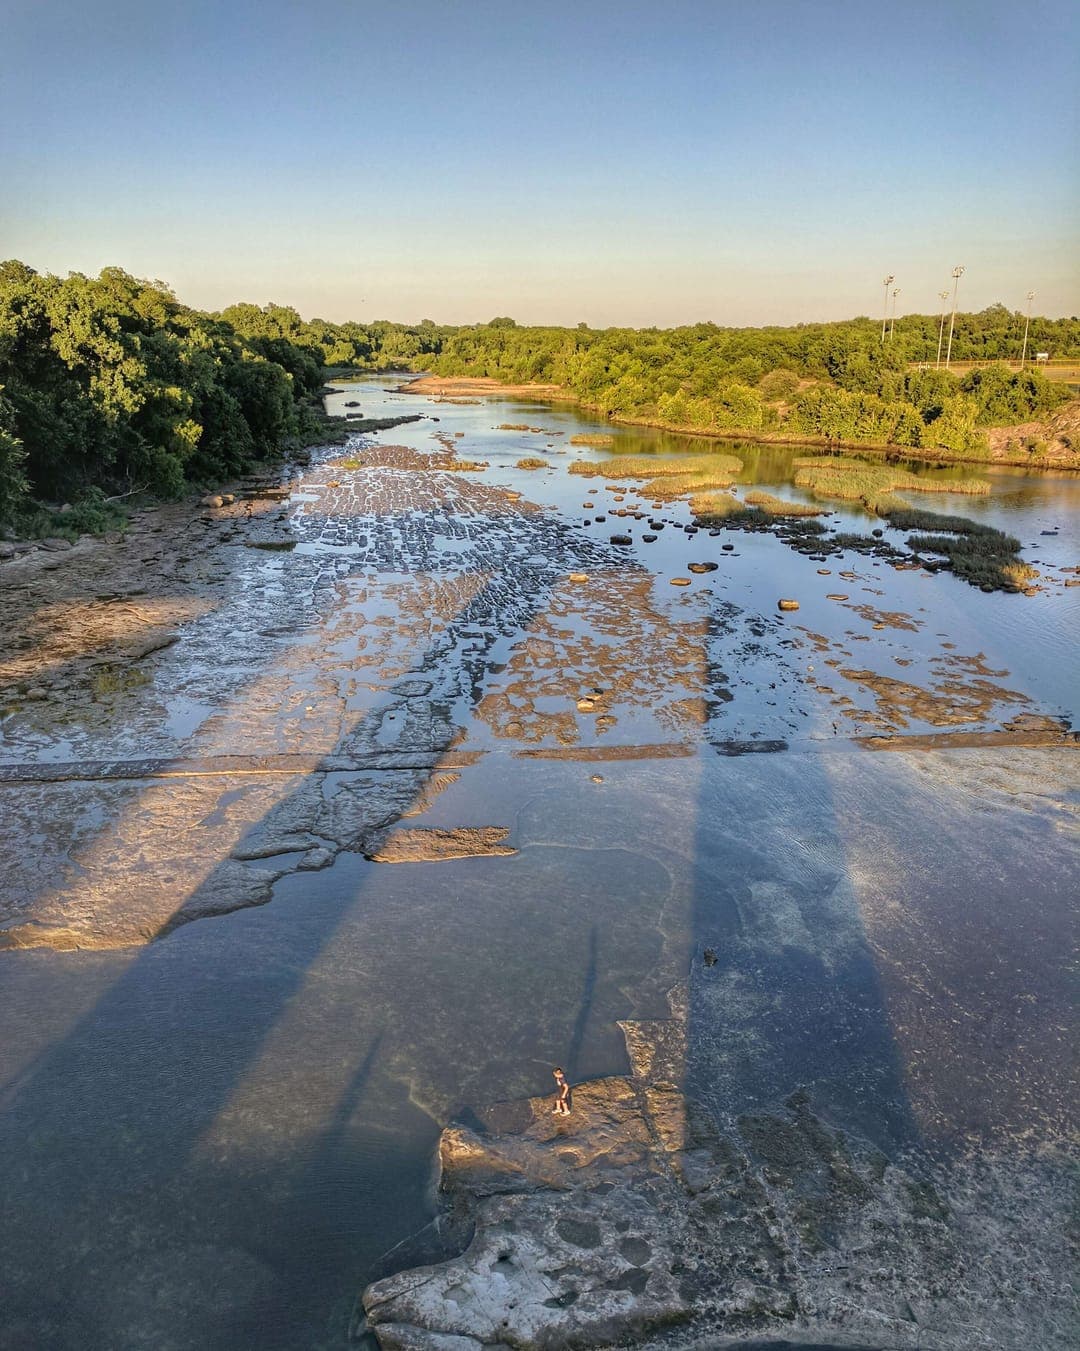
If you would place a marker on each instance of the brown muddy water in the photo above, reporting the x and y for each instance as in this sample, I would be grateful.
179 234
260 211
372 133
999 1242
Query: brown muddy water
397 817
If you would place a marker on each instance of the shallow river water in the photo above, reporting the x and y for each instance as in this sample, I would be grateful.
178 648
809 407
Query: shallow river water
401 815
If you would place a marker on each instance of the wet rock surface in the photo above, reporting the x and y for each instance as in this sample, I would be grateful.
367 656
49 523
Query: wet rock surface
644 1217
353 721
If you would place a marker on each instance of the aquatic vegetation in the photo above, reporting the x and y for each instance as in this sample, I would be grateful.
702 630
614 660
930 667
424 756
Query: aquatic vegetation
532 462
592 439
776 506
904 517
711 509
110 679
988 559
855 480
668 476
656 466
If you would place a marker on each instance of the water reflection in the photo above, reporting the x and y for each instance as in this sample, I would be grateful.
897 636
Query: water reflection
257 1097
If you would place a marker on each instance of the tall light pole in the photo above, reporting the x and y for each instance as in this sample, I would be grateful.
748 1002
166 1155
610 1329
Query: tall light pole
892 321
943 296
885 314
957 273
1027 325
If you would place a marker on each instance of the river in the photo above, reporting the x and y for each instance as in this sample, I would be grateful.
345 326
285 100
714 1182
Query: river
400 814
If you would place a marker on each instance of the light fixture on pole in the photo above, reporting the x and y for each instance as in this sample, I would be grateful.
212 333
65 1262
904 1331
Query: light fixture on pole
957 273
943 296
1027 325
885 313
892 321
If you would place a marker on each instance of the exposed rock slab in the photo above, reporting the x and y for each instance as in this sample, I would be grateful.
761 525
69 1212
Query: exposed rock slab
638 1220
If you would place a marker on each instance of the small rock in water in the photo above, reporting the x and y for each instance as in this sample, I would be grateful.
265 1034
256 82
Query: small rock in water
788 604
727 548
597 778
709 956
835 595
586 705
824 572
648 539
621 539
702 567
680 581
579 577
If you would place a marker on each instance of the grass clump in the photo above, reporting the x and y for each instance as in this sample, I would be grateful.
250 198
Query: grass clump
914 518
855 480
592 439
532 462
989 559
90 514
776 506
668 476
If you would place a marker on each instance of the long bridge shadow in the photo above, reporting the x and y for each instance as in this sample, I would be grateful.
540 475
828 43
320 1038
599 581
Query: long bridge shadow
117 1119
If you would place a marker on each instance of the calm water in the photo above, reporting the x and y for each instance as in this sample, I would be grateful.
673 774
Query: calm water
210 1141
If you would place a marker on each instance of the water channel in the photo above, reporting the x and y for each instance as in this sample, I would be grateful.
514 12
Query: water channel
230 1036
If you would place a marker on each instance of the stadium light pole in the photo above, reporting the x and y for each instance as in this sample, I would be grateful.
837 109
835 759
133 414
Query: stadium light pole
943 296
1027 325
957 273
892 321
885 314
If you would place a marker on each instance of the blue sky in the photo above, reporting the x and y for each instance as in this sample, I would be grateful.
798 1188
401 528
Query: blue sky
619 163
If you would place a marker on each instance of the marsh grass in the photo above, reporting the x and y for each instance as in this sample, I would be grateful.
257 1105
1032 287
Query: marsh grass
988 559
532 462
776 506
592 439
657 466
854 480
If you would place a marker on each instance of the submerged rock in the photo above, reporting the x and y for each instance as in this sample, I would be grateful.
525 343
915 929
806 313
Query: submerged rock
640 1219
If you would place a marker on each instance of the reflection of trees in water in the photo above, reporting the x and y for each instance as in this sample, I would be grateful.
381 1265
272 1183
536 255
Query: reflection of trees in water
601 646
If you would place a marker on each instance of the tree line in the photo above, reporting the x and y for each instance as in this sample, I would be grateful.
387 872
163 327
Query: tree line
837 380
110 385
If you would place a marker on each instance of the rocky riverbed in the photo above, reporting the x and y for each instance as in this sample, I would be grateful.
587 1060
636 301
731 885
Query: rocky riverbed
339 806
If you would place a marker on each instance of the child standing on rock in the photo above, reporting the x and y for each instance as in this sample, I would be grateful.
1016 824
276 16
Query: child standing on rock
562 1099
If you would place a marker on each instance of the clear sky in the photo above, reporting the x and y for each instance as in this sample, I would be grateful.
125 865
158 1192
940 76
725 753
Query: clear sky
744 161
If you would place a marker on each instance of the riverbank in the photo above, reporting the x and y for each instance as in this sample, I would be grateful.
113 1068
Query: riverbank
1002 442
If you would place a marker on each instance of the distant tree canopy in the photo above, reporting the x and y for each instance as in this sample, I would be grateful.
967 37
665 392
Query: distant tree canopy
833 380
111 383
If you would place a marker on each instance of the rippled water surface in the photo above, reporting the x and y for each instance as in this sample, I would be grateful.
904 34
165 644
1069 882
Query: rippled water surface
230 1035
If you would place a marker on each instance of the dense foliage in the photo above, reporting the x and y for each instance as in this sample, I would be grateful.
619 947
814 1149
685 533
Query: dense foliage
838 381
110 383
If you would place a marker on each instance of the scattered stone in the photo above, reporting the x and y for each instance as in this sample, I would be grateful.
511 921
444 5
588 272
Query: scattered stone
620 539
56 545
702 567
680 581
824 572
579 577
211 500
648 539
788 604
836 595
